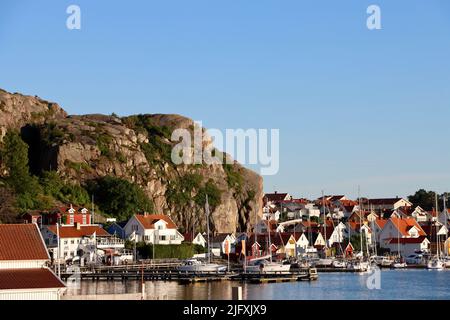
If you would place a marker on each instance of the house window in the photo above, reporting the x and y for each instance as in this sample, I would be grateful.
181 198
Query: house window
134 227
72 218
65 241
160 227
172 237
162 238
65 253
72 241
84 219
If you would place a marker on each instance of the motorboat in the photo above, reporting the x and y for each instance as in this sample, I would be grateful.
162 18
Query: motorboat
399 265
265 266
194 265
339 264
360 266
325 262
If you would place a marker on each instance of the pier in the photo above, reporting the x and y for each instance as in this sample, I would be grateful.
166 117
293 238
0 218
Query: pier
171 274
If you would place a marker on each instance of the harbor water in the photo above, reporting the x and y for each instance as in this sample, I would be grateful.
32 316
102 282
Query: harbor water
393 285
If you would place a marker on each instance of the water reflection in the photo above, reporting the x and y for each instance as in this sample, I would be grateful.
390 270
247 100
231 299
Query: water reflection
395 284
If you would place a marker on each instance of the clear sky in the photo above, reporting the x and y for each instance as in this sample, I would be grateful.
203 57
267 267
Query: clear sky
354 106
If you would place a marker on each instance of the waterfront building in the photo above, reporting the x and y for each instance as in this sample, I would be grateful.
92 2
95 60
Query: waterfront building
67 215
398 228
220 241
24 260
153 228
117 229
80 241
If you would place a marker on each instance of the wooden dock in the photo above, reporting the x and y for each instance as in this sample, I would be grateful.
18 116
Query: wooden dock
193 277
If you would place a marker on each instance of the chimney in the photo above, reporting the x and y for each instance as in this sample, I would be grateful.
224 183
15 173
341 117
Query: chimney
78 225
276 192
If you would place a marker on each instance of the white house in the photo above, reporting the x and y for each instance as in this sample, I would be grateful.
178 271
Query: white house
302 242
397 228
420 214
407 246
79 240
153 228
199 240
24 260
338 235
312 210
271 213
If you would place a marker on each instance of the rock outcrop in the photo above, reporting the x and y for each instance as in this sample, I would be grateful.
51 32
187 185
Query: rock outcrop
136 148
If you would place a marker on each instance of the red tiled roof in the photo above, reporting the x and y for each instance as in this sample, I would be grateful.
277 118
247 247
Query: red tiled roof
407 240
21 242
349 203
404 225
29 279
381 222
149 220
84 231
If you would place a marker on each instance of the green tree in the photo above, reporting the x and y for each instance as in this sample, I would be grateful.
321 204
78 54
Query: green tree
119 197
55 187
423 198
15 157
214 195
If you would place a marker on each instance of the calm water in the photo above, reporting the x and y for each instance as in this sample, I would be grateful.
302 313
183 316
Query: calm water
395 284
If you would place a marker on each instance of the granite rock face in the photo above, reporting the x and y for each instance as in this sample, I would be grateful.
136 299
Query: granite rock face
87 147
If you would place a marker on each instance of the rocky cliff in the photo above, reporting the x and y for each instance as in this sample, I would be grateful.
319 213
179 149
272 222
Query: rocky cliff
136 148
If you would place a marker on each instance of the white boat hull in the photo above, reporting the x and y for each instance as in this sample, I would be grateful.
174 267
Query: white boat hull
197 266
436 265
269 268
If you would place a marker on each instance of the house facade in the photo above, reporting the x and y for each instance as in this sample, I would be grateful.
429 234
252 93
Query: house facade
24 260
78 240
153 228
67 215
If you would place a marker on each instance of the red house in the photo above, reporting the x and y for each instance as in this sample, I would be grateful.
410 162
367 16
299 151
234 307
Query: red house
68 215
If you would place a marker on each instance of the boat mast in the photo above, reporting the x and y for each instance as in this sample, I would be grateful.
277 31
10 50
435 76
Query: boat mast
270 242
360 222
324 222
435 225
207 227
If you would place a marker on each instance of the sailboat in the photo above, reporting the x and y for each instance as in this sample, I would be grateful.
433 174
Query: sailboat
360 265
398 262
194 265
265 264
436 263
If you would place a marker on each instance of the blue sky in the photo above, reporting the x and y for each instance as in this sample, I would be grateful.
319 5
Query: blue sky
354 106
